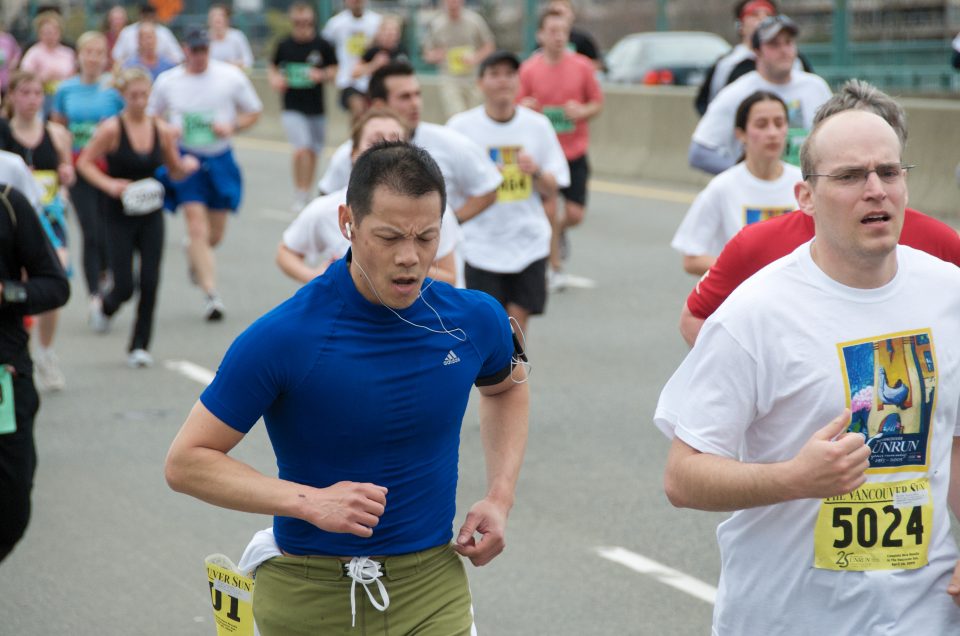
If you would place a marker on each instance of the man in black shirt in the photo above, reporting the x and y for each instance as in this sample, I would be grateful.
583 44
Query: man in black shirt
31 282
300 66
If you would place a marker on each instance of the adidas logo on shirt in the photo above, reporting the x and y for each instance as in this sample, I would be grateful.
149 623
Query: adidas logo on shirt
450 359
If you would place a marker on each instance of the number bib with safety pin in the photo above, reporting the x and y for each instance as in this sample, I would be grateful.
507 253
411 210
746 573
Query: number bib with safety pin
356 44
82 132
457 60
49 182
516 185
142 197
561 123
231 594
198 129
879 526
298 75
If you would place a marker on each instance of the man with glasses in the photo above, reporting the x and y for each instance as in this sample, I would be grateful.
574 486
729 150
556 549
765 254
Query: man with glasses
300 66
820 405
714 147
208 102
762 243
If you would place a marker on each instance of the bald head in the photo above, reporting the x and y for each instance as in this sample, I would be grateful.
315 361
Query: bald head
835 136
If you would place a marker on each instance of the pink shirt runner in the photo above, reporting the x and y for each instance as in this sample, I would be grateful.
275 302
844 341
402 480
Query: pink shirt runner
51 66
553 85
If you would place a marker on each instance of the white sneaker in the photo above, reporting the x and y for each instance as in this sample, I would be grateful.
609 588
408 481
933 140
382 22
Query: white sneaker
47 373
556 280
99 321
139 359
213 309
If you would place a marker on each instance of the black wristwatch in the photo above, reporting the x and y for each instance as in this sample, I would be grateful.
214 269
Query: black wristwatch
14 293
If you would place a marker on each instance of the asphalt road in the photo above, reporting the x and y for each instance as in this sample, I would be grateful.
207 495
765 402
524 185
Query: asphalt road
112 550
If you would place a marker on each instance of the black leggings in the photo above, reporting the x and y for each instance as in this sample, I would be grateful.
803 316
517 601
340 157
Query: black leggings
18 462
90 204
126 235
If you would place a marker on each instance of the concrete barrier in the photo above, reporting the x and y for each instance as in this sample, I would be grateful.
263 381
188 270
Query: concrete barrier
644 132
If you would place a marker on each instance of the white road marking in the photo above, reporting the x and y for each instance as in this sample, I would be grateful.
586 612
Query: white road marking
666 575
190 370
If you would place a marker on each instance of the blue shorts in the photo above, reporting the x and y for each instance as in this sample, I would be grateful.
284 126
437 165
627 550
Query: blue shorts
217 184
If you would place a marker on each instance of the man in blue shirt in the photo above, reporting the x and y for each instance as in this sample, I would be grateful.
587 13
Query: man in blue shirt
362 379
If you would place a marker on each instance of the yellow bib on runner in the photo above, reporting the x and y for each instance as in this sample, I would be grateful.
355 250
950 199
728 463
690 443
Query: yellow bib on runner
231 594
457 60
879 526
49 182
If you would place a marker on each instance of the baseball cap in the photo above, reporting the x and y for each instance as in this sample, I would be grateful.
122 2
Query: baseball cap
498 57
197 39
771 28
755 6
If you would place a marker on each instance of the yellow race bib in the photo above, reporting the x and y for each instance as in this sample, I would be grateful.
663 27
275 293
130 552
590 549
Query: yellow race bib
516 185
231 594
49 182
879 526
457 60
356 44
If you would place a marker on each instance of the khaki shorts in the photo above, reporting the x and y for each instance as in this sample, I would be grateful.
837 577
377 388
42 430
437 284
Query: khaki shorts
310 595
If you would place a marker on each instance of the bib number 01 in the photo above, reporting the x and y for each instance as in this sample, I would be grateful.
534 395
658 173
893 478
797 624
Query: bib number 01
879 526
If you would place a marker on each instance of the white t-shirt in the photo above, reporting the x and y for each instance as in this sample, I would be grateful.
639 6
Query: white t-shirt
351 36
778 361
803 95
15 172
467 169
734 198
126 45
233 48
194 101
728 62
514 231
315 232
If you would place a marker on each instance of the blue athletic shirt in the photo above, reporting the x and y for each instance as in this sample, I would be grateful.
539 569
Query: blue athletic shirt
84 106
349 392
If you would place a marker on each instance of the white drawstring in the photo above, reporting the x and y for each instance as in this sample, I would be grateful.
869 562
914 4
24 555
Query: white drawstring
365 571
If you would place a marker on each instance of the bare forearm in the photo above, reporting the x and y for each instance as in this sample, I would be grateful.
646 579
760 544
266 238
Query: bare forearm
710 482
475 205
953 494
246 120
294 266
546 184
690 325
591 110
697 264
503 429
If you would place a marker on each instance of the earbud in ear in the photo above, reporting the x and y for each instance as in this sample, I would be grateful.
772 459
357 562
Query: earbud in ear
346 226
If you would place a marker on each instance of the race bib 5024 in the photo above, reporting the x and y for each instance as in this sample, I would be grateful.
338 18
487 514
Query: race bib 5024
879 526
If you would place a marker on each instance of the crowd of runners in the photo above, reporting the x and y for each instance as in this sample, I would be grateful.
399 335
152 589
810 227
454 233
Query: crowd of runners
129 124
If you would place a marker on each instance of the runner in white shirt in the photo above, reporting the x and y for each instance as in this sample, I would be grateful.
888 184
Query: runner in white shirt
714 147
314 239
471 177
758 188
126 44
226 43
506 246
209 101
352 31
820 404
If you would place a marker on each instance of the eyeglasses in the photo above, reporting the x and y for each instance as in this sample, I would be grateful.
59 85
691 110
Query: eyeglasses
888 173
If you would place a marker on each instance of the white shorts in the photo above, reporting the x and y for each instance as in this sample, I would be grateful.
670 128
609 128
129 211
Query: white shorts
304 132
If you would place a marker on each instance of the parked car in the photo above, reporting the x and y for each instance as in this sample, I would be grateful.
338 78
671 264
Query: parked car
679 58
